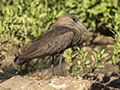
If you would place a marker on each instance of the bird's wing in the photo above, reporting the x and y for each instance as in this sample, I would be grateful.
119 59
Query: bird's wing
49 43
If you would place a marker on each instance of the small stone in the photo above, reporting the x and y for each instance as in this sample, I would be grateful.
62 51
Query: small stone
100 39
89 49
96 48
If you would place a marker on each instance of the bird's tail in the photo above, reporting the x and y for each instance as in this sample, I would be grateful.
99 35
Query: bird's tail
19 61
15 59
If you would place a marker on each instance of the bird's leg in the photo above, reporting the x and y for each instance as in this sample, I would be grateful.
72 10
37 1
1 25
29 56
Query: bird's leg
52 65
60 64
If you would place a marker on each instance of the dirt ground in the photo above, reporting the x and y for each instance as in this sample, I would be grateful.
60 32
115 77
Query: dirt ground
107 76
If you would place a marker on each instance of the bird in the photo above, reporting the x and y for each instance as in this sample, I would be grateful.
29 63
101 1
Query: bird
63 34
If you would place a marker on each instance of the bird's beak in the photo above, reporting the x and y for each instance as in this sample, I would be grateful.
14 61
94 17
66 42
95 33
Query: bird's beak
82 27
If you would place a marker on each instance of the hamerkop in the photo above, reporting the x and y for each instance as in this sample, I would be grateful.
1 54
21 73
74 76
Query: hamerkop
63 34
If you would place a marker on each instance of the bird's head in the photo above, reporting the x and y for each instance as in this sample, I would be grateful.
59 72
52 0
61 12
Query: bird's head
70 21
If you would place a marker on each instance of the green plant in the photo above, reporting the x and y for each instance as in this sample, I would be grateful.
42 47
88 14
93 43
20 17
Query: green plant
91 12
82 62
115 28
69 57
96 59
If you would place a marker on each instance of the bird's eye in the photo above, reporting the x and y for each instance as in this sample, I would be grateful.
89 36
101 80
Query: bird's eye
74 19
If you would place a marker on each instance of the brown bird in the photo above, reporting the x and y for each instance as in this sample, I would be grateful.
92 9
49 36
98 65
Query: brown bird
63 34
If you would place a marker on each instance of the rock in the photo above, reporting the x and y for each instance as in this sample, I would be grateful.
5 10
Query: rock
98 77
110 74
14 83
41 75
88 49
56 83
101 39
4 88
96 48
114 82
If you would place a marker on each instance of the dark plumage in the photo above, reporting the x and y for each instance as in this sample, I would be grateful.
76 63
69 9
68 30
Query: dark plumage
63 34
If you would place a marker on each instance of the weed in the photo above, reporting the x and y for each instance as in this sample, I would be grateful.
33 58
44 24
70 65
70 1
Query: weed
82 63
115 28
69 57
96 60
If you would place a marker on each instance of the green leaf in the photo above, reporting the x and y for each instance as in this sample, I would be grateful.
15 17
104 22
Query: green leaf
60 13
100 66
87 62
79 62
94 53
102 51
105 55
42 15
93 59
88 66
109 16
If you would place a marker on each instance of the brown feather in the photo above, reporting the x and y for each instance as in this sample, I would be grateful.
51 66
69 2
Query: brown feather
64 33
